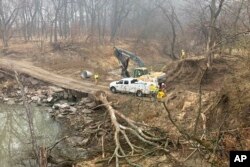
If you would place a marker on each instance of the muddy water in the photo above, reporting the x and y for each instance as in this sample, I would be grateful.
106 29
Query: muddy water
15 140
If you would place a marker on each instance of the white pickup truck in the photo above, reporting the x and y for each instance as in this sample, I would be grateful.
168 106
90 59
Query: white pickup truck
131 85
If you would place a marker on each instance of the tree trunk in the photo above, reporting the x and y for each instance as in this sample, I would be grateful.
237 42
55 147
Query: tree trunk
173 36
104 25
55 27
81 15
210 46
114 19
209 51
51 32
99 23
5 37
171 19
65 26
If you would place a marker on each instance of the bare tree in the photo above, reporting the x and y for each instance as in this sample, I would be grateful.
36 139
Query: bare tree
8 14
233 23
29 116
120 10
141 19
214 13
173 20
57 4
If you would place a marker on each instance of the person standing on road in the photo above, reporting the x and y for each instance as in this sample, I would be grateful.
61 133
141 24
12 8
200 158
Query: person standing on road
183 54
96 76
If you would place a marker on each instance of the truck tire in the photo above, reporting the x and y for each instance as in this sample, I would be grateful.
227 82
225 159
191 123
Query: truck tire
113 89
139 93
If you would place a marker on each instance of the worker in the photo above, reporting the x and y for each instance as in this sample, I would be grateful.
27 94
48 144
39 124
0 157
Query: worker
183 54
153 90
163 87
96 76
160 95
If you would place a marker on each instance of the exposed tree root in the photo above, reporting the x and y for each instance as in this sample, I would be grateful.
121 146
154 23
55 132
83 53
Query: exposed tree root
126 129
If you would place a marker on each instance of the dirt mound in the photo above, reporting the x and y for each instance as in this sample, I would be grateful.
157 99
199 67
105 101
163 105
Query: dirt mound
189 72
228 79
184 71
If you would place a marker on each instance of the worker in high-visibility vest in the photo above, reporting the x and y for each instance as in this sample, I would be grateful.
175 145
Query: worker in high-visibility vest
96 76
160 95
183 54
153 90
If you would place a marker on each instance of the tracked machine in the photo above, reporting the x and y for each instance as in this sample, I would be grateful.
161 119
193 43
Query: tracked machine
140 72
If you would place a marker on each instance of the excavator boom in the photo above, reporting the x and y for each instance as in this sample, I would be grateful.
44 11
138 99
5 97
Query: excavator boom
133 57
124 56
141 72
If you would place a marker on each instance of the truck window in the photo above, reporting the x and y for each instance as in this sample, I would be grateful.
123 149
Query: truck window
134 81
145 72
125 82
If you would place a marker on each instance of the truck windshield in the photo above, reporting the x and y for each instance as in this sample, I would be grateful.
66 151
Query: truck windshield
119 82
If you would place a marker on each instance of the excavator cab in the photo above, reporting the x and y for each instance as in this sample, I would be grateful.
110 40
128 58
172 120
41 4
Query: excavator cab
140 71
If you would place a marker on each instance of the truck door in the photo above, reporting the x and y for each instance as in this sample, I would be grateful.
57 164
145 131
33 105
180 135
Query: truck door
126 86
134 85
119 86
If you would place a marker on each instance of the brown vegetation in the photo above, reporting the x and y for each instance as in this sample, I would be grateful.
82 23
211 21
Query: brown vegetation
206 111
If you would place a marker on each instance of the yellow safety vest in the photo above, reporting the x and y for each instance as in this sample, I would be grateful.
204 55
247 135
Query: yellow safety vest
183 54
96 76
160 95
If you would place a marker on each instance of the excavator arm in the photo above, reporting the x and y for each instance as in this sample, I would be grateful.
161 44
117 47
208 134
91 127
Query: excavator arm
123 57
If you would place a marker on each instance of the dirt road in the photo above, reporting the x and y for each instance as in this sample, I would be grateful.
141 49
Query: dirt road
28 68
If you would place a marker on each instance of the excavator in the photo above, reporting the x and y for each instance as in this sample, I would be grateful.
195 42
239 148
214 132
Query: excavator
140 72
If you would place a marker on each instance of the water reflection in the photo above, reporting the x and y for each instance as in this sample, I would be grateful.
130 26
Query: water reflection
15 140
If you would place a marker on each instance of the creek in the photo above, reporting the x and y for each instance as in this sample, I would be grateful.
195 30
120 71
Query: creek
15 138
